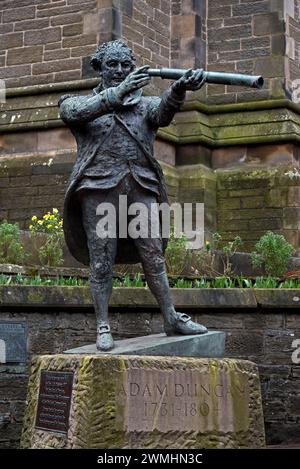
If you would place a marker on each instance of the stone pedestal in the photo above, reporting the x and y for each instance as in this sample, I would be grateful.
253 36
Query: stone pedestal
107 401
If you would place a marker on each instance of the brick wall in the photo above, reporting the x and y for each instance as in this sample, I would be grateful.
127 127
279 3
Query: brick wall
46 41
188 34
263 336
33 186
34 174
146 26
245 36
292 17
251 202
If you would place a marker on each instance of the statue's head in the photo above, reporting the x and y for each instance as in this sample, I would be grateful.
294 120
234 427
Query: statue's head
114 60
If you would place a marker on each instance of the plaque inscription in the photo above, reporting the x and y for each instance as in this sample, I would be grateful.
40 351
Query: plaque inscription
54 401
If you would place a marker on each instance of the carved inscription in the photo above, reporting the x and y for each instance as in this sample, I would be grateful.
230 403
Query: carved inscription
185 400
54 401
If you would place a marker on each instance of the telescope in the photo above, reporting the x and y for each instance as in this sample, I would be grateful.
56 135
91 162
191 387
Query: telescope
220 78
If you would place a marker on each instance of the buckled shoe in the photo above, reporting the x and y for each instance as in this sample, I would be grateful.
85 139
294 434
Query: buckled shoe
104 338
183 324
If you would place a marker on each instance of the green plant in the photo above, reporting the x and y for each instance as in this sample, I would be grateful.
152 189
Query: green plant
177 256
202 283
11 248
229 249
37 280
291 283
265 282
49 232
273 252
204 259
127 281
223 282
218 282
182 283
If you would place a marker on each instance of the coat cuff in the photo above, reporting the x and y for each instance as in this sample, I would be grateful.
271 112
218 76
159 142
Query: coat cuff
109 99
175 99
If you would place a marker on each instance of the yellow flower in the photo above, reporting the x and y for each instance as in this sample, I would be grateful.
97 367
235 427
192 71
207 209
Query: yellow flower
207 246
50 226
61 222
51 217
55 211
30 227
34 218
40 222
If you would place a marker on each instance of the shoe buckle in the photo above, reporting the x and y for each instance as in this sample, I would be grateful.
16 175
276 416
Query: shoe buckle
103 329
184 317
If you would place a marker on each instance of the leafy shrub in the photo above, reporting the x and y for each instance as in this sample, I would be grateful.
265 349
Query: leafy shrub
273 252
177 256
49 232
11 248
204 259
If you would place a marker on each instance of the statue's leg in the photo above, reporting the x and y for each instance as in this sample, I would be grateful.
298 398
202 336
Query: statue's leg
151 253
102 252
157 280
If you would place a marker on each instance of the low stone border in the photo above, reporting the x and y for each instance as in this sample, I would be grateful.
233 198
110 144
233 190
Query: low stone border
69 296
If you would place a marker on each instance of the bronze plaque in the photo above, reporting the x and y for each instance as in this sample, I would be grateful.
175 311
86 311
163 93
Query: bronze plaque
54 401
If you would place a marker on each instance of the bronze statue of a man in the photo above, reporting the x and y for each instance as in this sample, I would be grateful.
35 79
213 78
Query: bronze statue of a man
115 129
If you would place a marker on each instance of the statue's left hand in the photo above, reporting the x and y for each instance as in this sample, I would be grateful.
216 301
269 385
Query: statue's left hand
192 80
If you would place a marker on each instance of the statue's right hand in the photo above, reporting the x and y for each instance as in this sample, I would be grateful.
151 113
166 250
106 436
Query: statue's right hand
135 80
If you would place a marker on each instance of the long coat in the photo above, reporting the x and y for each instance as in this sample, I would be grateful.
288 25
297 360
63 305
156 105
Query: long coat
93 119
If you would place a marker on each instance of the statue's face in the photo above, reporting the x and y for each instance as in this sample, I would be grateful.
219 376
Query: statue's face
117 64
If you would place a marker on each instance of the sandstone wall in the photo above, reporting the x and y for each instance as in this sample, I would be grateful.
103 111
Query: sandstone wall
264 336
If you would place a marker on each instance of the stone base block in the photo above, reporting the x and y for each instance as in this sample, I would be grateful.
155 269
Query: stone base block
211 344
107 401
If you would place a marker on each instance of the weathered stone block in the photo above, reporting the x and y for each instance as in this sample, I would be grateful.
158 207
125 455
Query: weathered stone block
251 214
12 40
291 218
270 66
243 345
278 44
154 402
232 32
278 344
293 198
235 225
276 197
24 55
267 23
250 8
219 12
17 14
252 202
268 224
228 203
42 36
